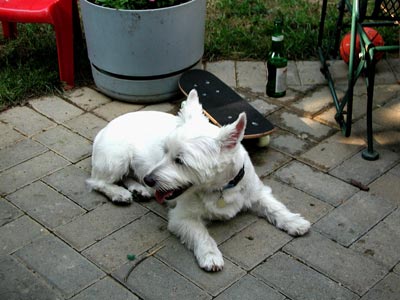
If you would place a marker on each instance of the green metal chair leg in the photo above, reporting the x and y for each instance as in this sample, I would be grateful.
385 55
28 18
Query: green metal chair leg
370 153
384 13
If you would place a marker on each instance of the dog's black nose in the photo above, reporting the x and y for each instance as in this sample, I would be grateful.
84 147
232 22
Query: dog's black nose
149 180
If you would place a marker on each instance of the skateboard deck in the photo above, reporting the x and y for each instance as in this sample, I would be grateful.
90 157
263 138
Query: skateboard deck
222 105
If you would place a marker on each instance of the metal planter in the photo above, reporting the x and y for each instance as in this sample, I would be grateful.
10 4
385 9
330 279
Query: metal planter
139 55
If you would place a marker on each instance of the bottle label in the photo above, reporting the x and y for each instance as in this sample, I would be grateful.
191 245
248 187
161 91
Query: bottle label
280 83
277 38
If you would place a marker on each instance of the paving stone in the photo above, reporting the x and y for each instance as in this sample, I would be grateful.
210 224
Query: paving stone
167 107
177 256
309 72
327 117
396 170
29 171
221 231
316 183
18 283
8 212
397 269
297 201
382 94
105 289
298 281
354 218
394 103
384 74
357 268
358 90
339 70
98 223
26 120
61 266
387 187
56 108
66 143
388 289
18 233
333 151
363 170
267 160
382 243
19 152
252 75
8 135
293 78
394 64
154 280
87 125
293 93
254 244
45 205
264 107
70 181
354 271
155 207
388 138
301 126
224 70
250 288
314 102
301 89
289 143
387 118
382 136
135 238
385 93
115 109
85 164
87 98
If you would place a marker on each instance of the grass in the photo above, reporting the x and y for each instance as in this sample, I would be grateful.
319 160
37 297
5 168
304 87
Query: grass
29 65
235 29
242 29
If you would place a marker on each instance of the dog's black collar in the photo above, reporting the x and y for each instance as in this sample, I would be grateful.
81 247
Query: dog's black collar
234 182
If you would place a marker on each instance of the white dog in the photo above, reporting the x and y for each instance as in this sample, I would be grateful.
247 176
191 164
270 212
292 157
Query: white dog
204 168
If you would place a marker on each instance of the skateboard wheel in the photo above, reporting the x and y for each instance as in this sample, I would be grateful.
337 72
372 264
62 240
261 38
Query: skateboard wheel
263 141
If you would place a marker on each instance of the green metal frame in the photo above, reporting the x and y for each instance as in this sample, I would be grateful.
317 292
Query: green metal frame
366 65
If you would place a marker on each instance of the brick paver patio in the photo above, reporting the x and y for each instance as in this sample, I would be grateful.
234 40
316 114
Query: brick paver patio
60 241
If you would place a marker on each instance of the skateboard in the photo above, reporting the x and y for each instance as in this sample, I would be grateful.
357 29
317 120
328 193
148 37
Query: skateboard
222 105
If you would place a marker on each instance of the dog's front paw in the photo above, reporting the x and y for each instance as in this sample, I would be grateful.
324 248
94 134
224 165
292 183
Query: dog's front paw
140 196
139 192
297 226
211 261
123 197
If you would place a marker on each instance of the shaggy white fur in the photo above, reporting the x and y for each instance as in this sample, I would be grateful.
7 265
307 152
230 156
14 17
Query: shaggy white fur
188 159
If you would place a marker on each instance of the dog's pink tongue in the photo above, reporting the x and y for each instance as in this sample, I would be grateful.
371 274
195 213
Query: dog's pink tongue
161 196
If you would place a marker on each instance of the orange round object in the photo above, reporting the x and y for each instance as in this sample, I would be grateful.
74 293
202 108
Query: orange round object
374 37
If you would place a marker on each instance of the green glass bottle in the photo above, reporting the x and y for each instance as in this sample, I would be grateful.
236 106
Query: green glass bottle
277 63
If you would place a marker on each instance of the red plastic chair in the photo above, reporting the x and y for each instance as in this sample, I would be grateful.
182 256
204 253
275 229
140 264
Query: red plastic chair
62 14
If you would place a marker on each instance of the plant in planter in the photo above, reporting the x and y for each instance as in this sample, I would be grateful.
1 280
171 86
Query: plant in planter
139 48
138 4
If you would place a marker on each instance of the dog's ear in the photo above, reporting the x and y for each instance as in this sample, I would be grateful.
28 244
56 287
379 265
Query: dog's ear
232 134
191 108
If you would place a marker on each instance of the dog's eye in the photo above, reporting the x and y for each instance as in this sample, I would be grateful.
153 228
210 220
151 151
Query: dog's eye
178 161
